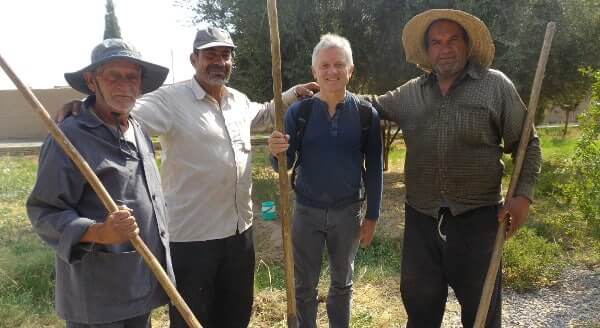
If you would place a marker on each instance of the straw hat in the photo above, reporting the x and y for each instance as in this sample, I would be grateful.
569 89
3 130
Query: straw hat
153 75
481 45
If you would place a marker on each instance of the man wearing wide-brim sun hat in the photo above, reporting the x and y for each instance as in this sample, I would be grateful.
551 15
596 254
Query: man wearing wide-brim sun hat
101 281
457 120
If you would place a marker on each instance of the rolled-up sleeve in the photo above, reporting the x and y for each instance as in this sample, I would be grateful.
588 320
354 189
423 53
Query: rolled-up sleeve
263 114
51 204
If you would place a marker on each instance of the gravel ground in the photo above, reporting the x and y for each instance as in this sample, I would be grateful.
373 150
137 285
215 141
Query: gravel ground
573 302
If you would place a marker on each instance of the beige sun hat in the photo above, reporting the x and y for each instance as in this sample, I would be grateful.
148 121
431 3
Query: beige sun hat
481 45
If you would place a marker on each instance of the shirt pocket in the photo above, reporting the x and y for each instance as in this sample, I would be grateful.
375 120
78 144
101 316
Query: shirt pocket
239 132
473 123
116 278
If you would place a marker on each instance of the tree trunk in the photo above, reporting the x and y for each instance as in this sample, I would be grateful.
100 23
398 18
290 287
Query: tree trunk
567 112
387 139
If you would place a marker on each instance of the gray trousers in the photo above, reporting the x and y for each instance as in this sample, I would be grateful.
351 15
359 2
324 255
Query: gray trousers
312 229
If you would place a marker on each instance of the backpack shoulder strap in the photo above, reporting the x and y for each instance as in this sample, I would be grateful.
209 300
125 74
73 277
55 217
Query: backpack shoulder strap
366 116
301 120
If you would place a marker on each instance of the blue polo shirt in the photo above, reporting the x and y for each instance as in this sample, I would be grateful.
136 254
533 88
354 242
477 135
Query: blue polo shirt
329 172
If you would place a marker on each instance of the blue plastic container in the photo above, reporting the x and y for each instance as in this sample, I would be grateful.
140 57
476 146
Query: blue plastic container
268 211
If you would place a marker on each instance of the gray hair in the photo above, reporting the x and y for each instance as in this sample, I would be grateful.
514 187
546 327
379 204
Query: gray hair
331 40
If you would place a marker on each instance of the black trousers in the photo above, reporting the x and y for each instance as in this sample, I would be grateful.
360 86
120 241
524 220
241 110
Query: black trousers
430 265
141 321
216 279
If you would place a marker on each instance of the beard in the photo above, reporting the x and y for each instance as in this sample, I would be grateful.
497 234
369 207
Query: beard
218 75
449 69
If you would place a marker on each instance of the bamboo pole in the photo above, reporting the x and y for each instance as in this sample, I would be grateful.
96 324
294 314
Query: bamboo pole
104 196
284 197
490 278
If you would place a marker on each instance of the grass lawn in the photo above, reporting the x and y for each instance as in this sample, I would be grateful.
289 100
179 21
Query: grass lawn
550 240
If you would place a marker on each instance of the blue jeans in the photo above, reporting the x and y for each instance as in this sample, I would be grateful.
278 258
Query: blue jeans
312 229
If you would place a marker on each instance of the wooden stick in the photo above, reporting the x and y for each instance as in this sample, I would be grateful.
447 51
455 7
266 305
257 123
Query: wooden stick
490 278
284 197
104 196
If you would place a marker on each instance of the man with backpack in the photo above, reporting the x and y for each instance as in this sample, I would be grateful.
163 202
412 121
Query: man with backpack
330 137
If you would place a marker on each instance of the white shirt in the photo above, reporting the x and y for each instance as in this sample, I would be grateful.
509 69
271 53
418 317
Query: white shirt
206 160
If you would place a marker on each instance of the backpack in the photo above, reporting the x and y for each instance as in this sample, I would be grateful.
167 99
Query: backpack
365 115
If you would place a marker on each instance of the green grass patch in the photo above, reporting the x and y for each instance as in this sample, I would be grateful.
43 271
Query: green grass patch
555 145
269 276
380 260
17 175
361 319
531 261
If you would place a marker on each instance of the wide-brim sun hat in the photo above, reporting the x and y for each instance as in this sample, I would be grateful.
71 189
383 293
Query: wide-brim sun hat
153 75
481 44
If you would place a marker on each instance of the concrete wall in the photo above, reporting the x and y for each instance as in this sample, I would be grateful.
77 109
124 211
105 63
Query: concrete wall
19 122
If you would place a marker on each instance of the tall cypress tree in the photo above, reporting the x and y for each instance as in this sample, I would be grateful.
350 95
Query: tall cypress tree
111 25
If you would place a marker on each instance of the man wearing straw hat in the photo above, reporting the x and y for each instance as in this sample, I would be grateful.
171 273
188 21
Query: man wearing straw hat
457 121
101 281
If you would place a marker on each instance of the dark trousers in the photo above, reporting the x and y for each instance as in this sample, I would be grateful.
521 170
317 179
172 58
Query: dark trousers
430 265
216 280
141 321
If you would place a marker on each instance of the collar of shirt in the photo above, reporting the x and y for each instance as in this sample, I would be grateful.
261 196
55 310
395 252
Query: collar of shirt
88 117
200 93
347 101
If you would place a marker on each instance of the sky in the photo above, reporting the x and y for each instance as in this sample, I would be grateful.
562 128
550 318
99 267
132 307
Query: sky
42 39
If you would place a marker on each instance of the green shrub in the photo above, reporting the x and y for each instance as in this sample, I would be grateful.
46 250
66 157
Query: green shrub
530 261
582 191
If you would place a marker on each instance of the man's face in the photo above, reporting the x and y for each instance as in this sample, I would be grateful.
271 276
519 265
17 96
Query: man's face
448 50
213 65
331 70
116 84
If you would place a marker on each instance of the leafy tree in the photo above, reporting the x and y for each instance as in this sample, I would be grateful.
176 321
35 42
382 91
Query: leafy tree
374 28
111 24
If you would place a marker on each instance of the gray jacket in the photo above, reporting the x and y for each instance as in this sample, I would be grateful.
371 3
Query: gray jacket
100 283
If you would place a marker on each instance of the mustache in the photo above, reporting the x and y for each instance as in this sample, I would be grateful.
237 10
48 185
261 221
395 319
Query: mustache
216 68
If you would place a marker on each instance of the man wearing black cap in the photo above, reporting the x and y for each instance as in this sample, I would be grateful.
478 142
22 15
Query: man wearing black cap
101 281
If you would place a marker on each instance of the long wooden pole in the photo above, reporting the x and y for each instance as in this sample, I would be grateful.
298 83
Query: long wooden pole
490 278
104 196
284 195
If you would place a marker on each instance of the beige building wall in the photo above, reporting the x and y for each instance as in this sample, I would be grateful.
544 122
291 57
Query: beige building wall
19 122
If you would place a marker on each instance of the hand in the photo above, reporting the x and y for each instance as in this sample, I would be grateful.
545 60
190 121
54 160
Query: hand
515 211
70 108
367 230
306 90
278 143
117 228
